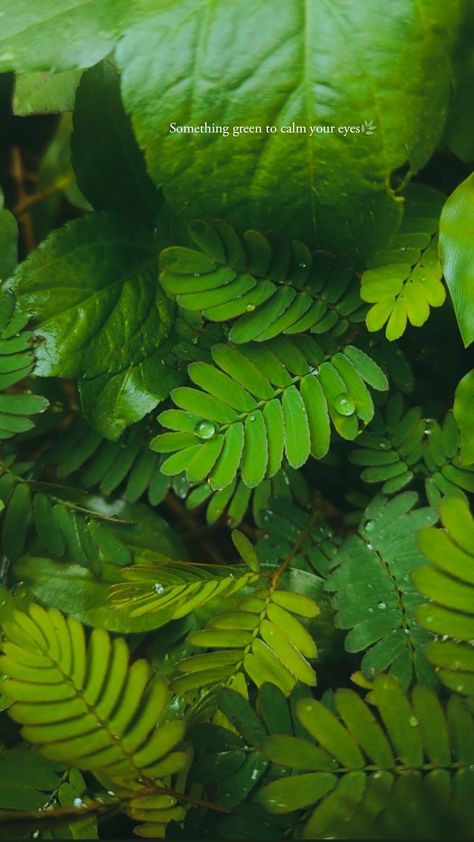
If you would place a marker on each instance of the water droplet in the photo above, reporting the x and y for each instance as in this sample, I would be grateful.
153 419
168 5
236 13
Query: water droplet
196 274
205 429
159 589
344 404
250 308
383 445
369 526
303 265
460 688
429 619
194 340
382 605
413 721
251 417
370 546
78 802
314 370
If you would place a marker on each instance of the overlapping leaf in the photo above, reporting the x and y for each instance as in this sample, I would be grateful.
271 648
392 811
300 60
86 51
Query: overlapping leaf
98 463
231 761
63 690
402 444
331 190
373 593
404 280
448 584
261 635
8 241
269 284
62 527
169 590
457 254
360 766
57 37
259 403
16 363
100 316
109 166
284 525
237 498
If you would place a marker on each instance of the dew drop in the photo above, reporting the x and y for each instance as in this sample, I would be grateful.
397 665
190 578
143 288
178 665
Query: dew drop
159 589
382 605
205 429
413 721
78 802
383 445
370 546
314 370
369 526
251 417
250 308
344 405
196 274
303 265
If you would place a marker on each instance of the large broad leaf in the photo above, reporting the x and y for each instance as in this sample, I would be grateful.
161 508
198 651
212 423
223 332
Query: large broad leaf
100 315
109 166
460 128
8 241
342 63
45 93
57 34
464 413
456 241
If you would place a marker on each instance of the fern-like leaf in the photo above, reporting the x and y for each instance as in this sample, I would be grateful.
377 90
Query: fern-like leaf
403 445
284 524
269 284
16 363
404 281
261 635
448 583
110 465
62 527
84 703
359 766
237 498
373 594
171 589
258 403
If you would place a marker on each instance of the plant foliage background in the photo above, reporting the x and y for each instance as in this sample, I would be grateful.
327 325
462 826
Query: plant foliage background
237 552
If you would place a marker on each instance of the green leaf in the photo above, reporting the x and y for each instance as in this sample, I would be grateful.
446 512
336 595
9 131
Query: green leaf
26 779
456 237
45 93
100 316
267 389
264 631
109 166
315 187
8 241
404 280
448 583
464 413
290 292
373 594
63 677
54 36
369 752
460 127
